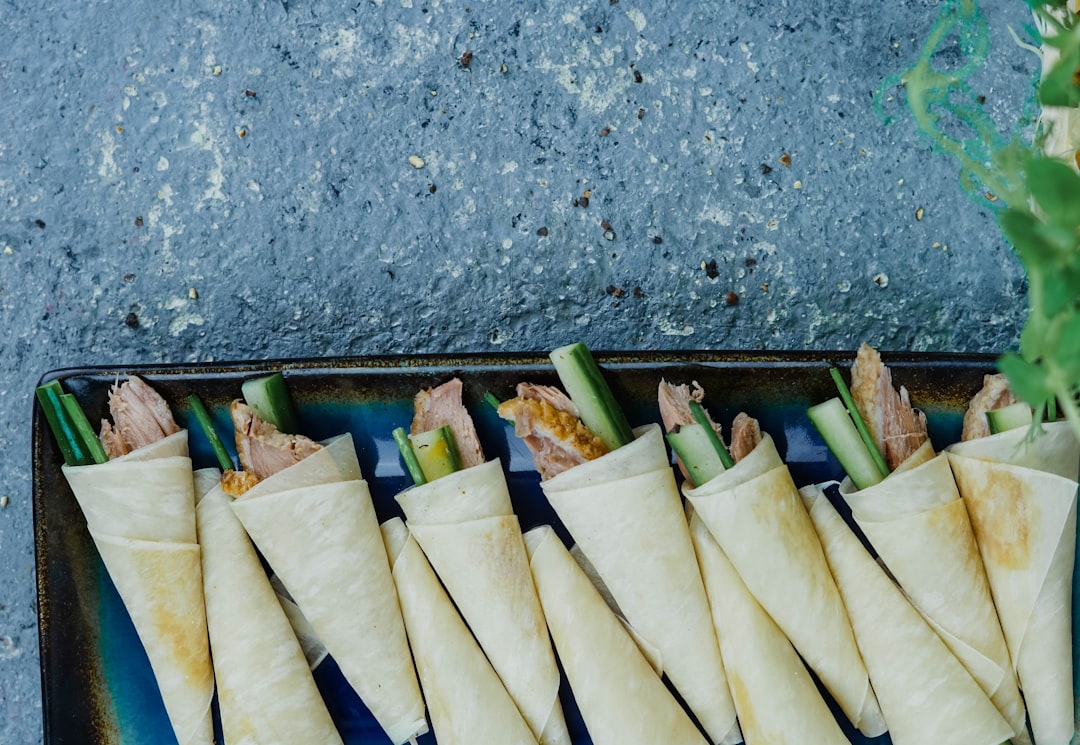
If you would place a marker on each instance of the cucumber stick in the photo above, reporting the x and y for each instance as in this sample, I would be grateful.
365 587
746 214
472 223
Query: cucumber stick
412 465
67 437
269 398
837 429
691 442
857 420
707 429
436 452
92 444
586 387
1013 416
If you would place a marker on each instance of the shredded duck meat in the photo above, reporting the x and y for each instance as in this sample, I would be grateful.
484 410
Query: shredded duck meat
140 418
995 394
263 450
675 412
442 406
674 401
745 435
547 421
898 429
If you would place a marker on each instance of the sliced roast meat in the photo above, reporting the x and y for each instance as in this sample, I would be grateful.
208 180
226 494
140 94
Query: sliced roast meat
995 394
897 429
140 418
263 450
547 421
441 406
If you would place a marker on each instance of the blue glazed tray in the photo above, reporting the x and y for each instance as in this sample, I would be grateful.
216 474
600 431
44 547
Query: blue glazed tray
97 686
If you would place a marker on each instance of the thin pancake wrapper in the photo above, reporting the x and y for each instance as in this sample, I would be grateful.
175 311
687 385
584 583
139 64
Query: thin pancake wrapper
755 513
140 510
925 693
624 512
777 700
466 526
266 694
467 702
622 699
1022 500
315 524
917 524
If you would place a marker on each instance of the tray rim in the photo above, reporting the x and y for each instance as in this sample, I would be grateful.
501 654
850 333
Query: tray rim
503 359
418 363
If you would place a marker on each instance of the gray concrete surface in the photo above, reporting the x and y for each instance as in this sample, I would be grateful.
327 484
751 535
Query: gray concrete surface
209 181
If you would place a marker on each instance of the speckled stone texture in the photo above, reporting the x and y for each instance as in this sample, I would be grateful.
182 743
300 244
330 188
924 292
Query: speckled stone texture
203 180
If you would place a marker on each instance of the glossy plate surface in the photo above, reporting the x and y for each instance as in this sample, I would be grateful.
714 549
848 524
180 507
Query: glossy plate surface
96 681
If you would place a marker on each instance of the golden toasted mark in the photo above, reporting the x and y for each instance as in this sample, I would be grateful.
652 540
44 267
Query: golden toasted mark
778 504
744 706
505 550
235 483
183 628
1000 516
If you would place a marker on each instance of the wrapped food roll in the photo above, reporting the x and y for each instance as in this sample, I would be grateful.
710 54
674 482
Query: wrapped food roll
266 694
315 524
465 524
916 521
756 515
624 511
467 702
1021 495
140 511
919 527
313 648
622 699
925 693
777 701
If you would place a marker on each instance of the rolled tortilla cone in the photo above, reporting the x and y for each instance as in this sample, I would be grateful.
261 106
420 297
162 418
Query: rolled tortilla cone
140 510
1022 500
315 525
755 513
467 702
924 691
466 526
652 654
266 695
624 511
314 650
777 701
917 523
621 698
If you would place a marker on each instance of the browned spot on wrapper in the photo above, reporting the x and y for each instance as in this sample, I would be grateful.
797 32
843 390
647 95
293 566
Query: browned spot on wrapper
186 630
951 526
743 705
505 549
1000 515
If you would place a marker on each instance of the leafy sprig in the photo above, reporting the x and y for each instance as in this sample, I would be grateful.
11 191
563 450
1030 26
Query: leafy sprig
1029 178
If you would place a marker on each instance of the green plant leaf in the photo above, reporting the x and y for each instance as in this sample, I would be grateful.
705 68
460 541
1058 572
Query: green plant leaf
1027 236
1047 3
1068 353
1056 287
1061 85
1027 380
1056 188
1033 337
